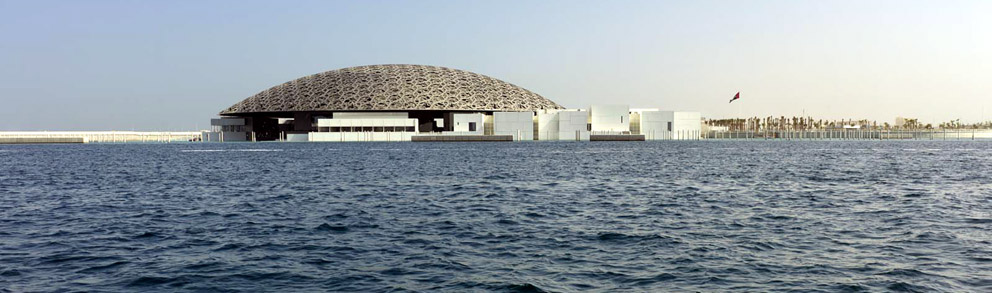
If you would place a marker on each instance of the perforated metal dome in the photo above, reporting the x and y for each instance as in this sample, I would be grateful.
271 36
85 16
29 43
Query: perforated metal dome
393 87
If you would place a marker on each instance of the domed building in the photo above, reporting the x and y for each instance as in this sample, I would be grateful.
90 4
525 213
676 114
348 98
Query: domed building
396 100
430 103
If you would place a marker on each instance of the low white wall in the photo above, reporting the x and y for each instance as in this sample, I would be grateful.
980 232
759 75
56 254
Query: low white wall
360 136
297 137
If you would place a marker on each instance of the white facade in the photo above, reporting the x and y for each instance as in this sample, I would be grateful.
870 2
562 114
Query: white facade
227 129
547 124
364 126
655 125
518 124
685 125
360 136
609 118
552 125
563 125
658 125
467 124
572 125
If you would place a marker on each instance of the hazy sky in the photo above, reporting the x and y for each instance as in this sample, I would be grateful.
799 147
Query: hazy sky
157 65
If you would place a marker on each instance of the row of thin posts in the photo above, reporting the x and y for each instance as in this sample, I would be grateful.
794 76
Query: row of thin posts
842 135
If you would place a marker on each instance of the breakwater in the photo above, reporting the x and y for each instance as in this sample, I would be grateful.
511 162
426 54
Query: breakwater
11 137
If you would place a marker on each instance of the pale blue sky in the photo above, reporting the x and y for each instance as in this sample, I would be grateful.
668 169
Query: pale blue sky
172 65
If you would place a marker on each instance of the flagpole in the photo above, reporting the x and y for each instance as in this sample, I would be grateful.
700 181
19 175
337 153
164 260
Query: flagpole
739 114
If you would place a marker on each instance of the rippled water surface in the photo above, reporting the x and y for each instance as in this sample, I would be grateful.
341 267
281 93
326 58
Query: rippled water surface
627 216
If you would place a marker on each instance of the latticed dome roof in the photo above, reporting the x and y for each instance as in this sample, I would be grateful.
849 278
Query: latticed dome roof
393 87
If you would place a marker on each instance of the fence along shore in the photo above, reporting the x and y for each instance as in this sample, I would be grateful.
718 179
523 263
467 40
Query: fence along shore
853 134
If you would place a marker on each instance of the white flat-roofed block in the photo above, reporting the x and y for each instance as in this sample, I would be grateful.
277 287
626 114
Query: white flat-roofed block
547 125
670 125
572 124
463 121
610 117
652 116
518 124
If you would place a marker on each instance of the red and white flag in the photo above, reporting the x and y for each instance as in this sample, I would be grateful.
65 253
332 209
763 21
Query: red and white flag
736 97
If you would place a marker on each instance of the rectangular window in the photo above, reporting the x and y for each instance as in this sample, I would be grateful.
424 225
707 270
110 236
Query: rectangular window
409 129
471 126
335 129
669 125
377 129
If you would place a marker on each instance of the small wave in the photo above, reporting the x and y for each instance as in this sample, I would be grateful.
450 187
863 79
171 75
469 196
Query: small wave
149 281
506 222
229 246
524 288
146 235
236 150
331 228
100 268
904 273
621 238
978 220
906 287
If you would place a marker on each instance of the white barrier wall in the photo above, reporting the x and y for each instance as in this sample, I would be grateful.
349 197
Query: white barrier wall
609 118
655 124
572 125
547 125
518 124
223 136
671 125
297 137
688 125
468 123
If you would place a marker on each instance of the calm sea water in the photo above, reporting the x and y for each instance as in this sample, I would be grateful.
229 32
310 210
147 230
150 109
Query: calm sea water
526 217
